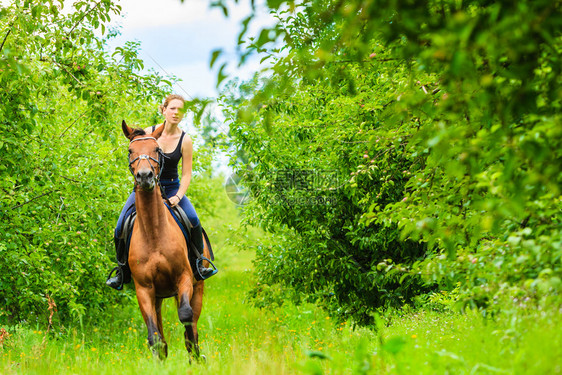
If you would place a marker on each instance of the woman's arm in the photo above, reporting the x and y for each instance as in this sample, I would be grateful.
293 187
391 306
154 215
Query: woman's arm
186 165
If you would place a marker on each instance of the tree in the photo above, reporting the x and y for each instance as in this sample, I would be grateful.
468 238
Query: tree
63 170
458 102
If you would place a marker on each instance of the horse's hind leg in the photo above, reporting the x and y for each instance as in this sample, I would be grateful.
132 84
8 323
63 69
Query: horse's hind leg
147 305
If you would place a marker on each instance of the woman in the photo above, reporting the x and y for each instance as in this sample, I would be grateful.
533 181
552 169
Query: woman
176 145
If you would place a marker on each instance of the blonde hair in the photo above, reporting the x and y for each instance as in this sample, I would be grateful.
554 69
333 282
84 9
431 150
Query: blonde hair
168 99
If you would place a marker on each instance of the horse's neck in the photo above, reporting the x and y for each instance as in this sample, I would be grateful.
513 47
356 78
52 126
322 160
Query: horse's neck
151 213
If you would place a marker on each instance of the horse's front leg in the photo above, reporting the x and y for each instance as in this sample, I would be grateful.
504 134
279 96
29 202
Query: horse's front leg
185 314
159 325
197 306
148 305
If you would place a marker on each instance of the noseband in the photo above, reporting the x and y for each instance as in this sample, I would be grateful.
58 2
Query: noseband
142 157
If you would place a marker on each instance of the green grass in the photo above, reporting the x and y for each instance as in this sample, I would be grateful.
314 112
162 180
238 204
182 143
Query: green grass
238 338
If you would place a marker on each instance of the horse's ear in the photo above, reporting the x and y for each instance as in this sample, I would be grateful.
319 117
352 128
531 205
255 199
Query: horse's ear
126 129
158 131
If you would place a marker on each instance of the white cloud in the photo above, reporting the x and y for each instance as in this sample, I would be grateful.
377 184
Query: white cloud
197 79
178 38
146 14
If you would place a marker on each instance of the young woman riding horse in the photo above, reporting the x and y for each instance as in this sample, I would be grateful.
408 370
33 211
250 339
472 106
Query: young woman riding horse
175 145
159 256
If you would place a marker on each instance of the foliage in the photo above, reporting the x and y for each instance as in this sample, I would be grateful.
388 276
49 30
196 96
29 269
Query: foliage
312 173
63 171
456 107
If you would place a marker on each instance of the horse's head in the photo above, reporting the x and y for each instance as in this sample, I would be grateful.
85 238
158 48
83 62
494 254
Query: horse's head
145 156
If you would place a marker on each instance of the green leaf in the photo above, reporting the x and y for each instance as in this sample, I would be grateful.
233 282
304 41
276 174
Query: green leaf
214 56
275 4
221 75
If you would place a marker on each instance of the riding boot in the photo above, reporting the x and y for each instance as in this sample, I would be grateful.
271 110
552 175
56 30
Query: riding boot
123 273
202 272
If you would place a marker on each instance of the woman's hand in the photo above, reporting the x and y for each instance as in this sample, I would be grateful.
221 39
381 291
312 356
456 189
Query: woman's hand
174 200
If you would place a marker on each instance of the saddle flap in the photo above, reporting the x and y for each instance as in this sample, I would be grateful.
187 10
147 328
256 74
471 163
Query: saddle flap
182 218
128 226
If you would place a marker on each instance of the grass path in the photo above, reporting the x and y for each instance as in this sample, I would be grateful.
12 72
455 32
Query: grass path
238 338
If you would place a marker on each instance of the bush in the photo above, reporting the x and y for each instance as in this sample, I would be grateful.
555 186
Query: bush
443 119
63 175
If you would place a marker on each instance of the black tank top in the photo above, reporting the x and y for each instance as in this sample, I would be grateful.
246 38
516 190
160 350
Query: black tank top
170 170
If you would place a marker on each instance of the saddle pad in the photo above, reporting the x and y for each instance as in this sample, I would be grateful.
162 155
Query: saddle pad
178 214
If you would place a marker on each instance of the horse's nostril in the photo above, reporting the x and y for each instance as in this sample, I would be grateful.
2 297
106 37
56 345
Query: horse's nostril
145 175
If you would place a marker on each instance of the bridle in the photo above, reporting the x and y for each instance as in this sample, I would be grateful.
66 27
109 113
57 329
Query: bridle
142 157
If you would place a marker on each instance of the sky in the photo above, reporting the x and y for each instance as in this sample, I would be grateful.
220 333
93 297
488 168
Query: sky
178 38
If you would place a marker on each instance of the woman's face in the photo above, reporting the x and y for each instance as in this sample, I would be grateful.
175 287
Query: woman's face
174 111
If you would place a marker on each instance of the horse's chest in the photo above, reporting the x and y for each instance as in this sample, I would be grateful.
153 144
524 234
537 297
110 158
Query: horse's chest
158 264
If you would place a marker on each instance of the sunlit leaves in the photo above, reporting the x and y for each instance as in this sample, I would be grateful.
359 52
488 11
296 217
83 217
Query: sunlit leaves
62 176
462 150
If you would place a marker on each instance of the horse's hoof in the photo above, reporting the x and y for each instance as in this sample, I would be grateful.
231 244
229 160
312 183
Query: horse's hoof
202 358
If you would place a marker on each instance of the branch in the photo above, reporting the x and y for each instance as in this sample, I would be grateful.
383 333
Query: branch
69 126
361 61
84 16
6 37
66 70
70 179
32 199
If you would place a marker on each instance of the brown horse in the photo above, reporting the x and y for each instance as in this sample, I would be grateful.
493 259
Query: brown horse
158 256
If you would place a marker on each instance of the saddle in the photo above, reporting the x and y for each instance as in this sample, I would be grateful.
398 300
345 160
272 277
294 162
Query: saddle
181 219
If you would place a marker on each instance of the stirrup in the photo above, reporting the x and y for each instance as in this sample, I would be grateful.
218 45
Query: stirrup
198 262
116 270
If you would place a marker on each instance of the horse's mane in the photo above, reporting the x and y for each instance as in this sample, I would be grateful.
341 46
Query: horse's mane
137 131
